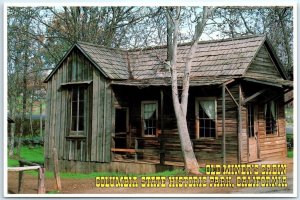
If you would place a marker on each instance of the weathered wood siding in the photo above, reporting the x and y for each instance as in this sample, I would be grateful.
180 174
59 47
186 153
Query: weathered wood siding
102 119
231 124
95 144
206 149
263 66
272 146
244 136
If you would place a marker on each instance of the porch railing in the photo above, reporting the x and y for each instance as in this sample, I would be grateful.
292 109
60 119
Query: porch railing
165 147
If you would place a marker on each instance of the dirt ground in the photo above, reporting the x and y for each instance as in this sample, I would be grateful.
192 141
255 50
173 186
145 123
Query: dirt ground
88 186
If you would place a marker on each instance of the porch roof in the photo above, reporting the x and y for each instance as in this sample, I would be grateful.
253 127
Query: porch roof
199 81
271 82
204 81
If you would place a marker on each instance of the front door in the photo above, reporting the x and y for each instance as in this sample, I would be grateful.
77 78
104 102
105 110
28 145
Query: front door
253 152
122 139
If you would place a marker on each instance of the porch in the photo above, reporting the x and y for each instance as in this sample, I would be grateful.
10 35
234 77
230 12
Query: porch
165 149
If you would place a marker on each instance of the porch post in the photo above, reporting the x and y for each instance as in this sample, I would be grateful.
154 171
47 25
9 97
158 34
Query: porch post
239 124
223 123
161 138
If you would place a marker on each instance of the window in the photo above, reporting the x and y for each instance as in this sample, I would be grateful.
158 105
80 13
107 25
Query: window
205 117
271 117
250 121
149 118
77 109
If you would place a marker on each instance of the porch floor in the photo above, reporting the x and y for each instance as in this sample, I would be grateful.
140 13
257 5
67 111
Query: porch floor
155 162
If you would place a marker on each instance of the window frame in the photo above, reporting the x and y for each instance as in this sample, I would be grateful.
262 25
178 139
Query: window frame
68 87
197 119
77 133
275 133
77 101
250 120
142 118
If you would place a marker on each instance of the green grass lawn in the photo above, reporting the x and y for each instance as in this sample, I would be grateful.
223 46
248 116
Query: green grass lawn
36 155
290 153
32 154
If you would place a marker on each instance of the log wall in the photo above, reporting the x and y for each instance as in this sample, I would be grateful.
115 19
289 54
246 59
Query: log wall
272 145
206 149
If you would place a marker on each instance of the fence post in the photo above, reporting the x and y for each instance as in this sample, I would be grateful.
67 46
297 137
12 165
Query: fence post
136 146
20 188
162 150
56 170
41 181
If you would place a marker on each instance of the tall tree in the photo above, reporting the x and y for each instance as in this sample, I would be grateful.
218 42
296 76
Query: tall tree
180 102
107 26
24 63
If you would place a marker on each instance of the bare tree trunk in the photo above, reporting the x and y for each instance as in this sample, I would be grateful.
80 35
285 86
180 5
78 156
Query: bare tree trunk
30 114
180 108
190 161
24 100
41 119
12 135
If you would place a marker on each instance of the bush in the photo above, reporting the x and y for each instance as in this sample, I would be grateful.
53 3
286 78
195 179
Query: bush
290 141
27 129
31 141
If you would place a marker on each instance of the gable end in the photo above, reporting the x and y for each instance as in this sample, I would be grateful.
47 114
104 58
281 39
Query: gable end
265 65
69 53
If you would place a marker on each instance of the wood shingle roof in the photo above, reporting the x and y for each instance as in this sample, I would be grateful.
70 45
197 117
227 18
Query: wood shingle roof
212 58
112 61
214 61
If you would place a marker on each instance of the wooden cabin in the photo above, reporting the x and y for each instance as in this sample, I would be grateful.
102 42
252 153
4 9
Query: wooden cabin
111 109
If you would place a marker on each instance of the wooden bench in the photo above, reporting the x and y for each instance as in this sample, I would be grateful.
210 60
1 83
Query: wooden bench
32 166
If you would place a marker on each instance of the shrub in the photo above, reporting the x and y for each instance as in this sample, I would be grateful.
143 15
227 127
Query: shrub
31 141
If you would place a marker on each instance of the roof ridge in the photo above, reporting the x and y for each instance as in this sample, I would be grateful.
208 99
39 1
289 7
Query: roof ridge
165 46
199 42
99 46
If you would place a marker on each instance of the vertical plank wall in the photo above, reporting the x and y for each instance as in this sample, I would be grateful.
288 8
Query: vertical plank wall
95 146
102 120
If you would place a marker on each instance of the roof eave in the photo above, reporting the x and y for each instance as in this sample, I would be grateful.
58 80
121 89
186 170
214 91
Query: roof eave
274 56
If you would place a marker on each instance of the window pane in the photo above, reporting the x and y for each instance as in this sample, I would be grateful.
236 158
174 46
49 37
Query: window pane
81 108
207 118
208 107
81 93
250 120
77 109
73 123
150 118
271 117
81 124
74 94
74 108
